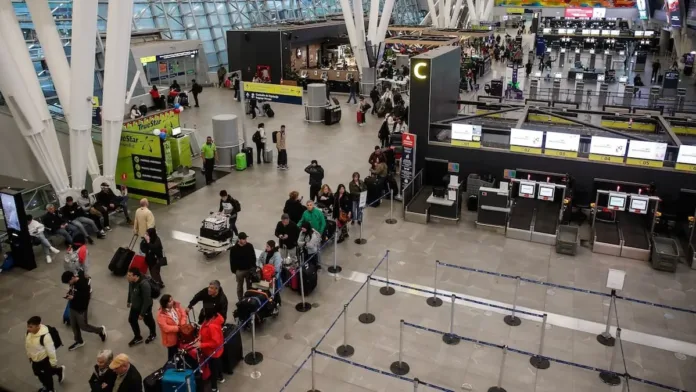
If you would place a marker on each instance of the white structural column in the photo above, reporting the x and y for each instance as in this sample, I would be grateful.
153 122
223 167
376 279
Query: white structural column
350 27
384 21
22 91
374 19
118 32
57 61
431 17
359 17
488 11
472 12
456 14
84 45
448 12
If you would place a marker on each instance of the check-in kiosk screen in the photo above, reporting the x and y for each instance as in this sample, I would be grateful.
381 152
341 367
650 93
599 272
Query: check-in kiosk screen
526 190
546 192
639 205
617 202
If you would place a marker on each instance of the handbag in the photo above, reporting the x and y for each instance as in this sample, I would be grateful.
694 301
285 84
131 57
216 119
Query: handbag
162 261
343 217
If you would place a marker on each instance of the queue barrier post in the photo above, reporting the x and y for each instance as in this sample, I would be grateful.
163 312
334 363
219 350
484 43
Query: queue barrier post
314 354
387 290
367 317
499 386
360 240
253 358
400 368
625 387
605 337
416 381
188 385
345 350
391 219
434 301
511 319
450 338
335 268
303 306
610 377
538 361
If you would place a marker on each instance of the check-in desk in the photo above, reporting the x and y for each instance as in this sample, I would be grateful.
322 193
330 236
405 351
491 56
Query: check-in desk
587 75
445 209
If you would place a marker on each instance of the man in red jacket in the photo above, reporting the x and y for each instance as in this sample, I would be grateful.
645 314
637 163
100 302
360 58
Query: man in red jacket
211 339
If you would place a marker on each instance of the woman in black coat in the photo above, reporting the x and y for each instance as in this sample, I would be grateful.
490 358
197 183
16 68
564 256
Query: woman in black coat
293 207
151 246
343 205
103 378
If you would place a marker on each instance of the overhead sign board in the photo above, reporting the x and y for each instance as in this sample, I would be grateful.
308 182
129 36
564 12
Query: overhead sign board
642 6
579 12
526 141
562 144
649 154
686 159
185 53
466 135
273 93
607 149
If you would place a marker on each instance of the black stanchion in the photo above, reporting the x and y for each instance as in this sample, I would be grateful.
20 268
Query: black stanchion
367 317
387 290
538 361
253 358
610 377
499 386
434 301
360 240
335 268
391 219
303 306
345 350
511 319
605 337
450 338
400 368
314 389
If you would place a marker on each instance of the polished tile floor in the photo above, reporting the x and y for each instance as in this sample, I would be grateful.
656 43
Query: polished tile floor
658 345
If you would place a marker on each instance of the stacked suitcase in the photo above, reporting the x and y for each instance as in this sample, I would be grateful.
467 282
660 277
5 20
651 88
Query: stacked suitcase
233 352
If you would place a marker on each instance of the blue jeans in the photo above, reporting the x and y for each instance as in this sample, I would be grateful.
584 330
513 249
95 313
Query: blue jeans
65 234
45 243
357 211
352 96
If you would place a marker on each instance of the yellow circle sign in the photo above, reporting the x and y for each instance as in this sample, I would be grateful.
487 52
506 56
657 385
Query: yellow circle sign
418 71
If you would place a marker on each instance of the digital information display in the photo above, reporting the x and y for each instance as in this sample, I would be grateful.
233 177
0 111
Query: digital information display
607 149
648 154
546 192
686 159
466 135
526 190
639 204
617 201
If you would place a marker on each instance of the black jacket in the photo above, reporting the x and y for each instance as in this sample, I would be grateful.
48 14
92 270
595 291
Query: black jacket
80 292
218 303
242 257
53 221
235 204
153 251
104 198
108 378
72 212
291 230
133 381
316 175
344 204
374 95
328 203
295 209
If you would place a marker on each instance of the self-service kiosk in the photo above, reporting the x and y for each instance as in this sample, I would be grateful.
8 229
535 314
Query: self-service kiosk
562 57
593 59
17 228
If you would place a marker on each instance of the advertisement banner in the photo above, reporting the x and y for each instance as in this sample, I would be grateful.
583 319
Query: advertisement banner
673 11
163 120
579 12
141 166
273 93
526 141
408 158
607 149
567 3
642 6
561 144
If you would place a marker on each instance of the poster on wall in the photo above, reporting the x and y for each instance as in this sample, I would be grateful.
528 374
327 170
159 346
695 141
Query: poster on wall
408 159
567 3
673 11
142 167
273 93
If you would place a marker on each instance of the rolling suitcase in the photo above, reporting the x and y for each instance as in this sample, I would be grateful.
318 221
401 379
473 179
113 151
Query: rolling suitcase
139 262
249 156
360 116
153 382
233 352
241 161
173 378
309 277
267 110
121 260
268 156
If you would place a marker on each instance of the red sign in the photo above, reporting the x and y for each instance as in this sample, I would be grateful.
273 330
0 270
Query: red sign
408 140
579 13
124 176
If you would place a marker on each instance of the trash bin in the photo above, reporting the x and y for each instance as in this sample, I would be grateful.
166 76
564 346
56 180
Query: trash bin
567 240
665 254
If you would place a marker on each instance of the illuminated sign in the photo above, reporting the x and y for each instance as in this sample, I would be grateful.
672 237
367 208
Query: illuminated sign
673 12
148 59
579 12
185 53
647 150
642 9
562 141
418 70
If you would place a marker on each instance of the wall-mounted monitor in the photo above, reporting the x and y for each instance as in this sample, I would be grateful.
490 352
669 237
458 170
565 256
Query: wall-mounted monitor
176 131
546 192
527 189
639 204
617 201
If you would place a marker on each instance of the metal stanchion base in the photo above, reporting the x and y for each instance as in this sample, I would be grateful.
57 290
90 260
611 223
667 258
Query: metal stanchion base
367 318
334 270
303 307
435 302
606 340
539 362
345 350
253 358
512 321
313 390
390 221
400 368
610 378
386 290
360 241
496 389
450 339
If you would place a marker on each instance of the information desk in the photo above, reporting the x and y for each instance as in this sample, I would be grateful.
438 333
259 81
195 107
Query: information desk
587 75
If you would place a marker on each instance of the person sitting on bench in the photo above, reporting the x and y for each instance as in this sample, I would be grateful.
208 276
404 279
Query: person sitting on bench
110 201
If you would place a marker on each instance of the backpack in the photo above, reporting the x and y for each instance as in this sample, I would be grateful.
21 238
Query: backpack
199 89
268 272
237 206
274 136
57 341
256 137
155 290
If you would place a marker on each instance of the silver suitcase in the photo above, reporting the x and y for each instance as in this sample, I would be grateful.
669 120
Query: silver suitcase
268 156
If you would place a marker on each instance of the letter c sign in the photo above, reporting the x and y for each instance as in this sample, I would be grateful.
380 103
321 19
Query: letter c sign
418 70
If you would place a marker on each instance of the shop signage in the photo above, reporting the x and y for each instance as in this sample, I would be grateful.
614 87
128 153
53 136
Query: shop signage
686 159
599 13
526 141
466 135
673 11
514 10
579 12
642 6
607 149
142 162
649 154
273 93
561 144
408 158
186 53
420 70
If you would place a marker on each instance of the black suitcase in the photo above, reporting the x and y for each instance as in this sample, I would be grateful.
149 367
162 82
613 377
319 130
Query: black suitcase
310 277
249 156
659 78
216 235
233 352
268 110
375 186
121 260
472 203
330 230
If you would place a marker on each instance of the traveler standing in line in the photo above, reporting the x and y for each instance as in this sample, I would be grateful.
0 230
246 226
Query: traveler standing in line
170 318
211 338
128 379
235 86
210 158
287 233
259 138
293 206
36 231
41 351
211 296
355 187
144 219
309 243
353 90
140 304
221 73
316 176
151 246
231 207
78 297
282 151
242 263
103 378
195 90
314 217
342 210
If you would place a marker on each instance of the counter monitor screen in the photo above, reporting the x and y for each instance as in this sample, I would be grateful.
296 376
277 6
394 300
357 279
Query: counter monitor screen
527 190
546 192
639 205
176 131
617 202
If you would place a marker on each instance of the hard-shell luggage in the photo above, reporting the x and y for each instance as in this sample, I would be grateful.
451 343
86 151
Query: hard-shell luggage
659 78
360 116
139 262
330 229
232 353
173 378
375 186
241 162
249 156
215 235
268 156
268 110
228 83
121 260
294 280
153 382
472 203
66 314
309 277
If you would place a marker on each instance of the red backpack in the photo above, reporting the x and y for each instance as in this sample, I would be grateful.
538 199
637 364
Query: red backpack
268 272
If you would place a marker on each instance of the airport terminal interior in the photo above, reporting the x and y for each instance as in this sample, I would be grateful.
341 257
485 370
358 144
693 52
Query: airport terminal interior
527 224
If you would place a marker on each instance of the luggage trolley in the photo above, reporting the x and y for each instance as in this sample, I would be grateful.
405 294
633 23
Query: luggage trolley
215 235
623 223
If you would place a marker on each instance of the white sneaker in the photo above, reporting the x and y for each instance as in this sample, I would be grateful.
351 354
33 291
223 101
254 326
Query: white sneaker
48 259
54 250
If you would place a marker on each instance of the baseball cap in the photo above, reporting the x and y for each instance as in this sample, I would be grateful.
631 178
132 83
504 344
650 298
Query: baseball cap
242 236
118 361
